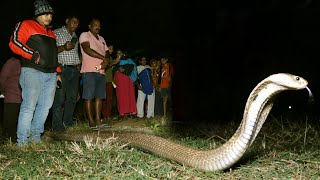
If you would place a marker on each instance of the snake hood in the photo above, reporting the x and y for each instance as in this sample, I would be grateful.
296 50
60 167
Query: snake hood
288 81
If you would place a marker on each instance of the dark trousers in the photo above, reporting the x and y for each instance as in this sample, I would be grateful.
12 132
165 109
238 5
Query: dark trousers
65 99
107 103
10 121
158 104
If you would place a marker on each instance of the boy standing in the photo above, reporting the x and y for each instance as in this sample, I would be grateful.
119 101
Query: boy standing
145 89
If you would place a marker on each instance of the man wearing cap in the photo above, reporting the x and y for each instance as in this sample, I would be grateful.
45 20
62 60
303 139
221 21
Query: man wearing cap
35 42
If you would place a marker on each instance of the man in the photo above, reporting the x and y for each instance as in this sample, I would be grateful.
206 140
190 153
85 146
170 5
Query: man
36 43
66 96
95 58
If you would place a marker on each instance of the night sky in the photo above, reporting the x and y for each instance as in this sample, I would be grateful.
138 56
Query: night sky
216 66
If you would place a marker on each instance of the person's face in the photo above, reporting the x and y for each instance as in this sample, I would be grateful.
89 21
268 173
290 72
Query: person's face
163 61
45 19
143 61
154 63
95 27
121 69
72 24
119 53
111 49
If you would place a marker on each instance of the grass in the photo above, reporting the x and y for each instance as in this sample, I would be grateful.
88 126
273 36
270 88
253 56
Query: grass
282 150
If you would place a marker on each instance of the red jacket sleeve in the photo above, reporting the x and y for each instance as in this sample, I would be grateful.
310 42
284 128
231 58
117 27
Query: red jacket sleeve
19 39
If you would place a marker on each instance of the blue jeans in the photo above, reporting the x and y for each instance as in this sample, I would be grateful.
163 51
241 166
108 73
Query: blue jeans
38 91
65 99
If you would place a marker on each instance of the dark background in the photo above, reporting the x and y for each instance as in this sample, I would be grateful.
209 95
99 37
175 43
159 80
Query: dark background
220 51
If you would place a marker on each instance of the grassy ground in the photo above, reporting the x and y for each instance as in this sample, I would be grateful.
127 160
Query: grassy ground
282 150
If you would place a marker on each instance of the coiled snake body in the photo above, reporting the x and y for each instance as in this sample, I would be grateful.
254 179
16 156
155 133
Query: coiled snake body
258 106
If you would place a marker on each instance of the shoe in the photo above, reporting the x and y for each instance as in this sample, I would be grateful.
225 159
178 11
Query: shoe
105 126
95 128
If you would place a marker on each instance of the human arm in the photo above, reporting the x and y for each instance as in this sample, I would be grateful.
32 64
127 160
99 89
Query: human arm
7 71
66 47
3 78
106 61
62 41
138 84
116 61
18 42
58 81
91 52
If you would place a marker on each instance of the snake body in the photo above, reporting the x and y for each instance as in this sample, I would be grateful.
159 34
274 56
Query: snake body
258 106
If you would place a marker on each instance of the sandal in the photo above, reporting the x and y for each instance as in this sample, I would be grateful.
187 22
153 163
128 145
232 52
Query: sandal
95 128
105 126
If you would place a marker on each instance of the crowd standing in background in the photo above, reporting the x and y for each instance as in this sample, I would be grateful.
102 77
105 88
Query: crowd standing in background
51 68
67 93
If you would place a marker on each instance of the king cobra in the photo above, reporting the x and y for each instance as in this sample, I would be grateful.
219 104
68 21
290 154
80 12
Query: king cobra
258 106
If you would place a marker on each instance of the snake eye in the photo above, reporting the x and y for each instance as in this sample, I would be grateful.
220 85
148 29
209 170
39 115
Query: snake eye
297 78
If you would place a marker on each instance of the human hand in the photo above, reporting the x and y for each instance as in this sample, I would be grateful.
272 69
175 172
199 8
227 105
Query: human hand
35 57
59 77
98 67
59 81
139 87
105 63
68 46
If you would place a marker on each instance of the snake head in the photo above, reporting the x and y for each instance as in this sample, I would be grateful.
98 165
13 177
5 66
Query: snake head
289 81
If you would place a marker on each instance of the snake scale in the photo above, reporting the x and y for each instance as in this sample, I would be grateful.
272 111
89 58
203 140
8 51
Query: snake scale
258 106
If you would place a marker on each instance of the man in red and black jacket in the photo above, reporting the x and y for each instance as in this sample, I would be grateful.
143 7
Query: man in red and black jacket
36 43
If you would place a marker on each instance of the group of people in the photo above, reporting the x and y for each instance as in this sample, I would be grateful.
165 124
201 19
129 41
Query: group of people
154 86
46 68
142 87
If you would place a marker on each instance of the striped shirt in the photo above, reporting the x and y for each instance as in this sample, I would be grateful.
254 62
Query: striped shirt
70 57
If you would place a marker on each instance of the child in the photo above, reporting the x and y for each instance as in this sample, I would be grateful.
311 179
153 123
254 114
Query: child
145 88
165 83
